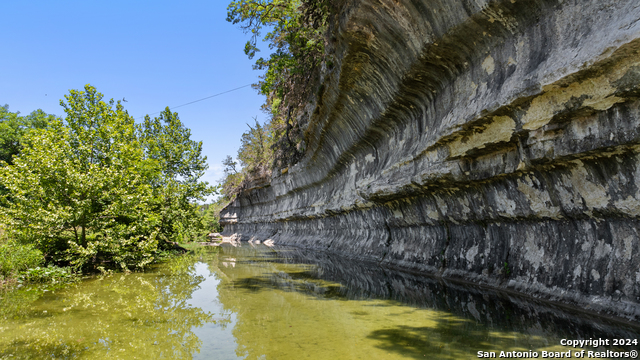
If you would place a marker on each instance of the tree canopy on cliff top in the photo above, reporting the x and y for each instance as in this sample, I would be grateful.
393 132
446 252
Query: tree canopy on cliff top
296 34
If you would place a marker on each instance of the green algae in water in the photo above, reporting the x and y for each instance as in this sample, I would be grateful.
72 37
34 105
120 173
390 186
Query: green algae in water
262 303
123 316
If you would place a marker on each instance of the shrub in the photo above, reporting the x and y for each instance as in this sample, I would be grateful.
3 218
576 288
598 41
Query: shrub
15 258
50 274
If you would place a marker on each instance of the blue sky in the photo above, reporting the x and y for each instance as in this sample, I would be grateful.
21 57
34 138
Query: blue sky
153 53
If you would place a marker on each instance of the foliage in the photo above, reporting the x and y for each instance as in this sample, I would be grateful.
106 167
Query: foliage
75 189
15 258
50 274
98 189
21 263
13 127
211 215
506 271
175 163
233 179
254 155
298 40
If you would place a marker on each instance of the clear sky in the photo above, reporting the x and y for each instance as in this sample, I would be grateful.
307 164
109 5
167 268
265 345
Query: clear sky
153 53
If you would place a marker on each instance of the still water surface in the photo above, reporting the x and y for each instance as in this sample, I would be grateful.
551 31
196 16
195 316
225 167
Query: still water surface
255 302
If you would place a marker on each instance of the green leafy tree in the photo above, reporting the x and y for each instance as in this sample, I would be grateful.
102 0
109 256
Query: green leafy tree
254 152
255 155
76 190
174 166
230 165
233 179
97 189
210 214
211 218
13 127
297 38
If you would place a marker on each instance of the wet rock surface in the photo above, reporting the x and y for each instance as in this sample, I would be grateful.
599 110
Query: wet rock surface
496 142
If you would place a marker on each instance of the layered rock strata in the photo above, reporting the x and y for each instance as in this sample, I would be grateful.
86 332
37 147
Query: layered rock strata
490 141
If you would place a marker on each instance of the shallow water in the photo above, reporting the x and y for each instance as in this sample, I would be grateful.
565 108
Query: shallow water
255 302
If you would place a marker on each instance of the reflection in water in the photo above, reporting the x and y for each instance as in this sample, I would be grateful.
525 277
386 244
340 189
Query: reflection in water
144 316
254 302
293 303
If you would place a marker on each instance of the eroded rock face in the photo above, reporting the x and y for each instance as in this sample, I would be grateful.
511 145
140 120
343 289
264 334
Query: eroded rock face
491 141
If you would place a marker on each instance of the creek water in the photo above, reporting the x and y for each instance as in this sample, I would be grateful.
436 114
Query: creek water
257 302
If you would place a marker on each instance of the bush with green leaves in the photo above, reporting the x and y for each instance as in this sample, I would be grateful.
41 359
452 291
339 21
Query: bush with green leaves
96 189
15 258
49 275
210 216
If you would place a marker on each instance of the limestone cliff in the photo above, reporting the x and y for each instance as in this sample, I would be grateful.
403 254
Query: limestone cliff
490 141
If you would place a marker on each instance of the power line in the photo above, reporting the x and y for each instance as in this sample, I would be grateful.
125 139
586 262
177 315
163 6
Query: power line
205 98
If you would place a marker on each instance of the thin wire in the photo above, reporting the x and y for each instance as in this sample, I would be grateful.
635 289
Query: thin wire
205 98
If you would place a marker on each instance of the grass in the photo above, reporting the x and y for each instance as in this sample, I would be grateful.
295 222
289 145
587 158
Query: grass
22 263
15 258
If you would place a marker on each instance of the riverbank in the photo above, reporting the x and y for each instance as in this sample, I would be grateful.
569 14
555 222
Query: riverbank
23 265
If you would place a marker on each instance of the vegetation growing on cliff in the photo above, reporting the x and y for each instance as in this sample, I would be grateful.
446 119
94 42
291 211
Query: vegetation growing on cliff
96 189
296 35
